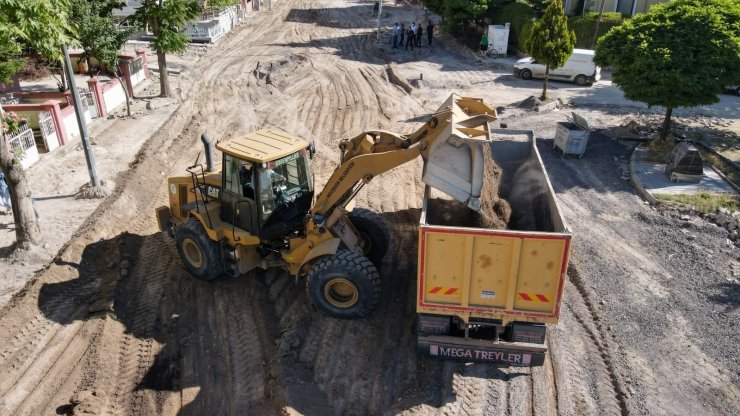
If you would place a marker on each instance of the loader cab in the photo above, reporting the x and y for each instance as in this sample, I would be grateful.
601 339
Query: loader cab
267 183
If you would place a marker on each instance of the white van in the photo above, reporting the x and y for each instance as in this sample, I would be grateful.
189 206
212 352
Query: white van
579 68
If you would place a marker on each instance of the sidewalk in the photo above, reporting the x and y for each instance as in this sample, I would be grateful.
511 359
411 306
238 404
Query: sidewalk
58 176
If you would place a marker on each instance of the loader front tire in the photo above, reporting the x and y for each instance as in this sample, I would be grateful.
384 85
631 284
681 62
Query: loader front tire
374 230
200 255
345 285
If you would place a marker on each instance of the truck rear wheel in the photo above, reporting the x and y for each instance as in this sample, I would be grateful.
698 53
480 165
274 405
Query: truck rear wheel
200 255
374 230
345 285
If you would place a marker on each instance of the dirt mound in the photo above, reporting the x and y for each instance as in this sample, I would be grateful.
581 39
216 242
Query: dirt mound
529 103
495 211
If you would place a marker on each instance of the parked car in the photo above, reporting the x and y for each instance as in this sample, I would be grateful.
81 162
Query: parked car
579 68
733 89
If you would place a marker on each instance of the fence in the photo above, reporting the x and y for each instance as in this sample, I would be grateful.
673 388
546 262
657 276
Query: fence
24 146
89 103
48 131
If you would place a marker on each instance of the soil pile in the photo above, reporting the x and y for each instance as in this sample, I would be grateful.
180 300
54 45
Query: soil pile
529 103
495 211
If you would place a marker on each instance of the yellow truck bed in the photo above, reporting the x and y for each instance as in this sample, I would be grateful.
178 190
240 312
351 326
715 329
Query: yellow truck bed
476 286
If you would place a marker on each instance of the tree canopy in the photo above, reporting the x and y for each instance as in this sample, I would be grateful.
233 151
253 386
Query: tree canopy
457 13
165 19
550 41
219 4
96 31
41 24
679 54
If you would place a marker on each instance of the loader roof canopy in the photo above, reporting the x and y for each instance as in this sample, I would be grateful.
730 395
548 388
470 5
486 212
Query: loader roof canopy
263 146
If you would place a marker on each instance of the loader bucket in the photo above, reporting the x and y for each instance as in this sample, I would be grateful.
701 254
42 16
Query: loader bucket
455 163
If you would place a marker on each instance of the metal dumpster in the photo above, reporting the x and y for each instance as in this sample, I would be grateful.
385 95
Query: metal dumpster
572 137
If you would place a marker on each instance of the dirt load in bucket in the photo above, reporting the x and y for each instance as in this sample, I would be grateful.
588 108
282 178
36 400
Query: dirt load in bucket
495 211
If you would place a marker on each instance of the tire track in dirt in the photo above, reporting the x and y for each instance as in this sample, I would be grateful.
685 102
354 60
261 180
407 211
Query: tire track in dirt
66 371
24 341
42 328
137 306
46 343
247 361
15 401
585 380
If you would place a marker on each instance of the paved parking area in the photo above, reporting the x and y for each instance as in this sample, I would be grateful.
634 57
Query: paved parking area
650 174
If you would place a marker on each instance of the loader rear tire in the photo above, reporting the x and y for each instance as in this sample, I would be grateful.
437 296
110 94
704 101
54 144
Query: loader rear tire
200 255
345 285
374 230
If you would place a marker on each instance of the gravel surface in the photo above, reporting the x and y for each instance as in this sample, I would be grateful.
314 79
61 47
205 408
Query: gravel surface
662 288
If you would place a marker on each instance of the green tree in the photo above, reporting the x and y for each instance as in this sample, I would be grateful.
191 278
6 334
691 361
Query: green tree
551 42
41 24
538 4
679 54
100 37
165 19
219 4
457 13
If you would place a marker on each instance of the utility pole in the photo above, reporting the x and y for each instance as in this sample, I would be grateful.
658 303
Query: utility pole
598 20
89 157
380 13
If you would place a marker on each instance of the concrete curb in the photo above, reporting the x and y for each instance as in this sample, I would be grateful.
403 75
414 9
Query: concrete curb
637 183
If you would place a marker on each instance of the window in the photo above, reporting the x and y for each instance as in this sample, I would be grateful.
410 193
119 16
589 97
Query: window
266 198
284 180
231 174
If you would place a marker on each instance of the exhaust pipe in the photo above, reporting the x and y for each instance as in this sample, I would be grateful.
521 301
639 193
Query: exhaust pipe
209 151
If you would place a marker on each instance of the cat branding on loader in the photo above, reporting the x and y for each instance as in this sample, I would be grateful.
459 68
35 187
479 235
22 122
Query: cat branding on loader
256 209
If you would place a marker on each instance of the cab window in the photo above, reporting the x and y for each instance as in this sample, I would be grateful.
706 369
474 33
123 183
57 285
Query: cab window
238 177
231 174
266 197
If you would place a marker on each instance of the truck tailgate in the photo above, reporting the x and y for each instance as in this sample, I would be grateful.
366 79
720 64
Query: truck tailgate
492 274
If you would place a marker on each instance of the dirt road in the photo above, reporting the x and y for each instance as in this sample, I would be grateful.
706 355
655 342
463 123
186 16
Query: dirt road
116 320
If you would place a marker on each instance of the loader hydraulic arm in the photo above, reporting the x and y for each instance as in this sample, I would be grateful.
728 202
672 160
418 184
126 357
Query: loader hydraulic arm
448 142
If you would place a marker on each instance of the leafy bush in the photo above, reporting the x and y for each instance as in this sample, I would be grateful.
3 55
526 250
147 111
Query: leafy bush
524 35
437 6
585 25
518 14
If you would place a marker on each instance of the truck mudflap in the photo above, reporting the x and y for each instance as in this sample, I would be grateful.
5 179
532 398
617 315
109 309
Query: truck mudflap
459 349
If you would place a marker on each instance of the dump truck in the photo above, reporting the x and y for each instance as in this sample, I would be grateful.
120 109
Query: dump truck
487 294
256 209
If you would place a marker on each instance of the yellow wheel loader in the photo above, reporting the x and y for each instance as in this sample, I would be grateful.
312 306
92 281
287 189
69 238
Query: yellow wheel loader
257 209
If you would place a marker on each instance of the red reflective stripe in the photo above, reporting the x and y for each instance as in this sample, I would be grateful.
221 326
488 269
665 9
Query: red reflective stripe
525 296
450 291
435 289
542 298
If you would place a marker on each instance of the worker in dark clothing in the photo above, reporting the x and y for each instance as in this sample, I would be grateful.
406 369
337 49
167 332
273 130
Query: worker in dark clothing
410 39
430 30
